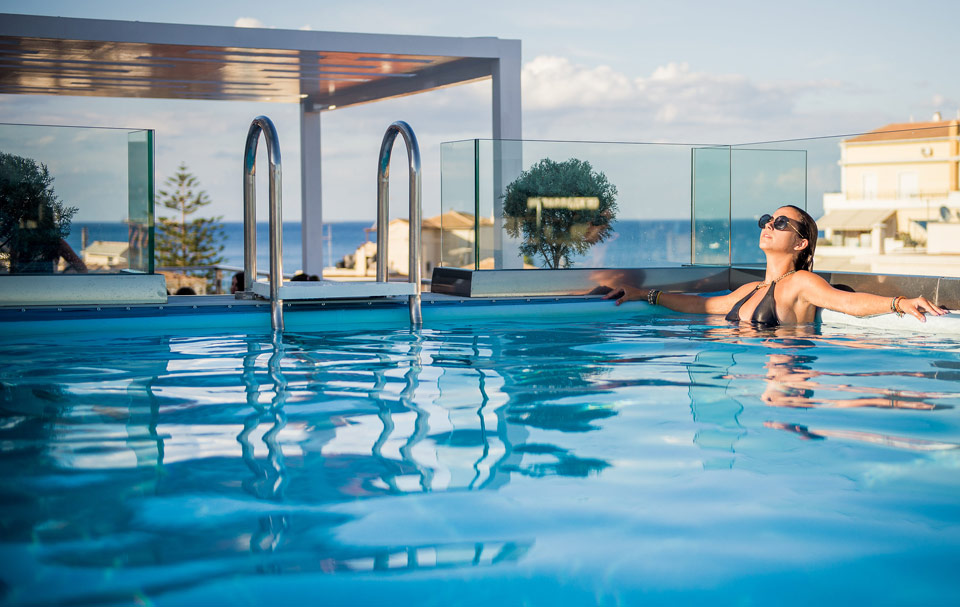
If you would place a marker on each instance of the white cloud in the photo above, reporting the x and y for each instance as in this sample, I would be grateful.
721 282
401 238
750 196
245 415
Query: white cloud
612 104
672 92
248 22
554 82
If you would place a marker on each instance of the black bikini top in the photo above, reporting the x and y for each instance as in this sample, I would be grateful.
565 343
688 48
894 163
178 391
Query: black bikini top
766 313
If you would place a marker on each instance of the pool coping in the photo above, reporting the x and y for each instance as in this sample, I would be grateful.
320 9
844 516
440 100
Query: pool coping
225 314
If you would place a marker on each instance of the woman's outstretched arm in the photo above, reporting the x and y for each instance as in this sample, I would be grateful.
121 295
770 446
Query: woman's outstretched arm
682 302
817 292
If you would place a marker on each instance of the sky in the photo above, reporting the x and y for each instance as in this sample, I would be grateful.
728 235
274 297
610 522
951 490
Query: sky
683 71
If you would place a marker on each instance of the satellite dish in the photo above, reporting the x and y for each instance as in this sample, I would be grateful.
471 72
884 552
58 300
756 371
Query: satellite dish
945 213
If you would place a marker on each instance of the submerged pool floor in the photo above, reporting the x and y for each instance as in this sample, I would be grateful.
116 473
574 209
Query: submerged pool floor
634 460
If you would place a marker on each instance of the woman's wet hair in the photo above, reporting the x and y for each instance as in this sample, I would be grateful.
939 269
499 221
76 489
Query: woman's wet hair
804 259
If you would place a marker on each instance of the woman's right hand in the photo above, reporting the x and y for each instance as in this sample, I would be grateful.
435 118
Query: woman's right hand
622 294
918 307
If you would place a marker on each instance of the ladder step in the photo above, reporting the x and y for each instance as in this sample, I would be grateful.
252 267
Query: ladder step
332 289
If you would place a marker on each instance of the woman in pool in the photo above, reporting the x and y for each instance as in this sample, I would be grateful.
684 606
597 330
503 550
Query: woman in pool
790 292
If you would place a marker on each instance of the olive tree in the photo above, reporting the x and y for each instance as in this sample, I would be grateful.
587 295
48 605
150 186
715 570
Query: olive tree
560 209
33 220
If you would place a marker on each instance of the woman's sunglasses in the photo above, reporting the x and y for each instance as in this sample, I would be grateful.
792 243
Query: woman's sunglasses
780 222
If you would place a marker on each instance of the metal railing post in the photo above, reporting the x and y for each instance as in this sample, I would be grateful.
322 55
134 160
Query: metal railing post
264 125
383 215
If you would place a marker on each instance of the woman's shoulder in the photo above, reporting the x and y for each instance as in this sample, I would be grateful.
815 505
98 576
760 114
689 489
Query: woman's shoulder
809 287
806 277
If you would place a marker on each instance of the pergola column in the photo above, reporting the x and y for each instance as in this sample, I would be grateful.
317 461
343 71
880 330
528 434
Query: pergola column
311 197
507 147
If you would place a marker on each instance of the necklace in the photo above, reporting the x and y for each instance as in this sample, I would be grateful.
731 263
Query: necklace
766 284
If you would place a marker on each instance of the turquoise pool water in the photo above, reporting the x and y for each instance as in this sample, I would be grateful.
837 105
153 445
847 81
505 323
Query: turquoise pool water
641 460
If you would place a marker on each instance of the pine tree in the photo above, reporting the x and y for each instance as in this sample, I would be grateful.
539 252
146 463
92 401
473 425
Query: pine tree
182 242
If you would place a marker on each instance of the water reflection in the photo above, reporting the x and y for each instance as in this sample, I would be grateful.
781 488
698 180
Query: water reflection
292 407
716 413
266 454
792 382
269 476
560 462
793 378
448 433
899 442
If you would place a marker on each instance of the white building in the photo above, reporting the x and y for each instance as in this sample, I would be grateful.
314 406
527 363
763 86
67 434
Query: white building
448 239
106 254
898 209
895 182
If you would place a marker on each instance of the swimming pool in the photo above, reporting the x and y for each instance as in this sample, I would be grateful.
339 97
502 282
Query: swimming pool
632 459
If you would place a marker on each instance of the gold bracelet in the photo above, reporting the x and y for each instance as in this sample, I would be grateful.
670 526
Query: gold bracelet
657 301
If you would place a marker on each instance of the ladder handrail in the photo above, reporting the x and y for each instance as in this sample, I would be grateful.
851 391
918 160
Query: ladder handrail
264 125
383 214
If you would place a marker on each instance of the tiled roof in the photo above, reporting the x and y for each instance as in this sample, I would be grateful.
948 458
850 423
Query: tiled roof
451 220
909 130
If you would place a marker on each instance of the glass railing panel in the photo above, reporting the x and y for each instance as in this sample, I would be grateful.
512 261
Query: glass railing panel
549 204
761 179
140 200
451 239
499 162
710 208
75 199
885 202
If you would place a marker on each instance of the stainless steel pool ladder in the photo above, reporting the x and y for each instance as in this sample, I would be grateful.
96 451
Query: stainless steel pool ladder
383 210
262 124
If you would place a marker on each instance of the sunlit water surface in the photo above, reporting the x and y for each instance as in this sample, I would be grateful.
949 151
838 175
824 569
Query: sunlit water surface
653 460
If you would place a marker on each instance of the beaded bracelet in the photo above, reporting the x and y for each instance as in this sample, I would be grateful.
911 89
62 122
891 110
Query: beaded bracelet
653 297
895 305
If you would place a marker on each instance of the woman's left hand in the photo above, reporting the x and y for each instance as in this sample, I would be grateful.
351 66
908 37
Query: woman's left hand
625 293
918 306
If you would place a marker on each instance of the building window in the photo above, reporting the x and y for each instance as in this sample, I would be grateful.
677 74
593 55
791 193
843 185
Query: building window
908 185
869 186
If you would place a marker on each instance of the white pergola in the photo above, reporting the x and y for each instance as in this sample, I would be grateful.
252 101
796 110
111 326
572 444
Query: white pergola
319 71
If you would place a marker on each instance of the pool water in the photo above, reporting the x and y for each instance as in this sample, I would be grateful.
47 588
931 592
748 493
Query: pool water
647 460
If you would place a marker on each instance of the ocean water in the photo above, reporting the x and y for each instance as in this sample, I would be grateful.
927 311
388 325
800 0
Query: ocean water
633 243
346 237
654 460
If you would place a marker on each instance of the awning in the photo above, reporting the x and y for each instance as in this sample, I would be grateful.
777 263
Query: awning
861 220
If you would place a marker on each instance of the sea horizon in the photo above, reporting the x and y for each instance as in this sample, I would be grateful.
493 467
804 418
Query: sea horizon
632 243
